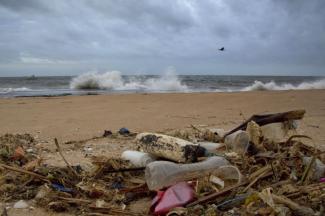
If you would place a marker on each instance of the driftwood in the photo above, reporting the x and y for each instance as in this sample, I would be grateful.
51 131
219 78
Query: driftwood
270 118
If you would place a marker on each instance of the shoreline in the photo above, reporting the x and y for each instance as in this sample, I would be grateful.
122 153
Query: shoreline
81 117
102 93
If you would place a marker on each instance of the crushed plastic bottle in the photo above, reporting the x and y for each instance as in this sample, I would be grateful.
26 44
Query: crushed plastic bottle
160 174
238 141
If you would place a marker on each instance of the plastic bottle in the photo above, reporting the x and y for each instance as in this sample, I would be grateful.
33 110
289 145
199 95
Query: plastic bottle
238 141
138 159
161 174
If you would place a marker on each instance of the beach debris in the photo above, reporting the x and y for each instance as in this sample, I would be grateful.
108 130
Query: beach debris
161 174
138 159
19 153
65 160
279 132
107 133
175 196
254 132
124 131
60 187
269 169
232 203
317 167
237 142
20 204
211 147
169 147
270 118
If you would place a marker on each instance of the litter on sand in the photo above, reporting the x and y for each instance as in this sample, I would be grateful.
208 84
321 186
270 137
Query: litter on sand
262 167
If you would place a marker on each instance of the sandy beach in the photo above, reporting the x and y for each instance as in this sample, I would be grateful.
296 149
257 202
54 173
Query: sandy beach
82 117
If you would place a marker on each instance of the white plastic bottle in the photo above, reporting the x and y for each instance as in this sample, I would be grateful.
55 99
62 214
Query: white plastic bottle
138 159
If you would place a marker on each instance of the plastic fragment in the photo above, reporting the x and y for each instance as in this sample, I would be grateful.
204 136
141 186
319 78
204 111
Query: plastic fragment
177 195
124 131
20 204
60 187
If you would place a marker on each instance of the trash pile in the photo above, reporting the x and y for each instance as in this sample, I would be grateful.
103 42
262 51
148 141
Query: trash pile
261 167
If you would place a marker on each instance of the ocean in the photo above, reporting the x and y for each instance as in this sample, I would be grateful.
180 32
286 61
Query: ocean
115 82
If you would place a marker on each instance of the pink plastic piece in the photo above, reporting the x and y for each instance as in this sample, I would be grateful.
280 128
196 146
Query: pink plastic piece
322 180
177 195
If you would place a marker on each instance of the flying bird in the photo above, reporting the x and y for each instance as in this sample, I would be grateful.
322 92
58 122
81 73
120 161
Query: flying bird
222 49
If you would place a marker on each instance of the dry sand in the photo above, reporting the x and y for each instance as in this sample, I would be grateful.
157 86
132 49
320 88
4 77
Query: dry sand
81 117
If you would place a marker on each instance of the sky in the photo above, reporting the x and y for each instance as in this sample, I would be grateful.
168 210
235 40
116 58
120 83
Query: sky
261 37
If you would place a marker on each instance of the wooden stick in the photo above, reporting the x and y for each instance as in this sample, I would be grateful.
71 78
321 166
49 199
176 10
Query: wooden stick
125 170
270 118
297 208
74 200
195 128
66 162
262 175
215 195
25 172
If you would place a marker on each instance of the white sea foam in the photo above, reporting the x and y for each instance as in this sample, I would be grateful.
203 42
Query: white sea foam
260 86
113 80
8 90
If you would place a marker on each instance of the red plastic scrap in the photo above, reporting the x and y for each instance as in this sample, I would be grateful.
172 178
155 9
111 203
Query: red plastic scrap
177 195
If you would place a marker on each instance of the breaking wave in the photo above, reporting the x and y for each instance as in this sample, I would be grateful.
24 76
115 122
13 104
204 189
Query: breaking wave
260 86
113 80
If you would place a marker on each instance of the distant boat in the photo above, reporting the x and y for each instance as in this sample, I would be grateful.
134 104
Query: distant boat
32 77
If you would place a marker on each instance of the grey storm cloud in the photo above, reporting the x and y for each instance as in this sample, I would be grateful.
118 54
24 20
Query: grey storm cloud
62 37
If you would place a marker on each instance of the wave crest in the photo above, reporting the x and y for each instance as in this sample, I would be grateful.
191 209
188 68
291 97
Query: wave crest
260 86
113 80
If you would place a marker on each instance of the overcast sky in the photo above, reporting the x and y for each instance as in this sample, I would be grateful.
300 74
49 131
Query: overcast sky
265 37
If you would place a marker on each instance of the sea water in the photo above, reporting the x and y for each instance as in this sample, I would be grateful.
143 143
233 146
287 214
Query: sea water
116 82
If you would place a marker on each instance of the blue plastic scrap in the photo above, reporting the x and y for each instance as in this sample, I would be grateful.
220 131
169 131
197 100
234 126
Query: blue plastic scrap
60 187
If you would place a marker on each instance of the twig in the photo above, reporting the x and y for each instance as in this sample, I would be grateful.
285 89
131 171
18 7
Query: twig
66 162
195 128
74 200
297 136
125 170
215 195
262 175
307 170
25 172
298 209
